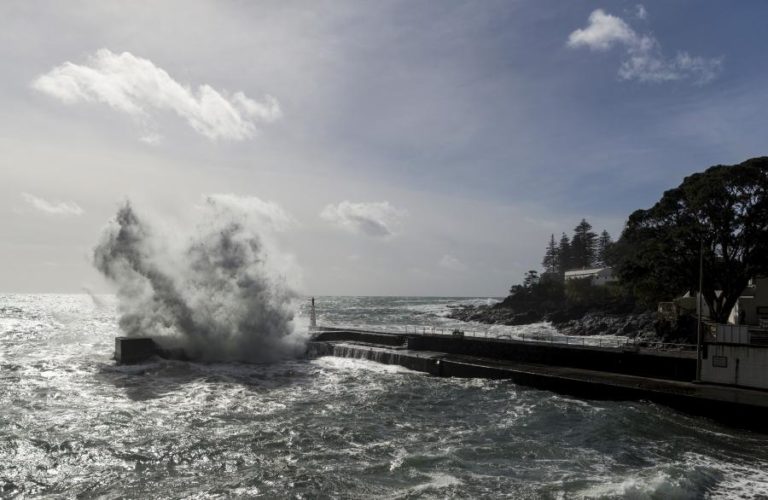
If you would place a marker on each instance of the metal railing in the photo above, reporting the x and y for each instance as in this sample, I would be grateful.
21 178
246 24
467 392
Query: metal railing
548 338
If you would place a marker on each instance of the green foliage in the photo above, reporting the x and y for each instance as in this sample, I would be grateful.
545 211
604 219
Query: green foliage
551 257
537 293
564 254
583 246
604 243
581 293
584 250
722 213
531 279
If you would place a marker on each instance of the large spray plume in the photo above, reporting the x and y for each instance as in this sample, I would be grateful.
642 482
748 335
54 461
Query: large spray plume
220 295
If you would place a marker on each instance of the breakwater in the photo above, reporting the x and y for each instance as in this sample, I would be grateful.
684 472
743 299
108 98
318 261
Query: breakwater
630 360
666 377
630 373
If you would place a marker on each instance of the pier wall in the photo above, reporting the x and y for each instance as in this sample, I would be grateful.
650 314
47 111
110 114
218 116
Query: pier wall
129 350
338 335
673 366
735 406
667 365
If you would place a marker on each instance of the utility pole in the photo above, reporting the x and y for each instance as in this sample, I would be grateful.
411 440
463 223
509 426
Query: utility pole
700 308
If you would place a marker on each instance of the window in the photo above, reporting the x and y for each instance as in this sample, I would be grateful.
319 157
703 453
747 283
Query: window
720 361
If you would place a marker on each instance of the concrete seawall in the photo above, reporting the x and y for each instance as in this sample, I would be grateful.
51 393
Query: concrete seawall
676 365
673 365
590 372
586 371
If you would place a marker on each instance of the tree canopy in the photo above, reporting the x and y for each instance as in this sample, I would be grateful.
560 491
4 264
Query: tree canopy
584 250
722 212
551 257
583 246
604 243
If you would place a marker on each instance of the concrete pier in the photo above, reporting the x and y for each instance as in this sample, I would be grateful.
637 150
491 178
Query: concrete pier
129 350
591 372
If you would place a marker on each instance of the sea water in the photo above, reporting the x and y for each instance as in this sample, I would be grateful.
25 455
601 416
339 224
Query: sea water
73 424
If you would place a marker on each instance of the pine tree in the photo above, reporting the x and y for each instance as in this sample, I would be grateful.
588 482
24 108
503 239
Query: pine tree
564 254
583 246
550 261
604 242
531 278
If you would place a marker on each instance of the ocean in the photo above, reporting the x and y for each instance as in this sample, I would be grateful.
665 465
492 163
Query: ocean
73 424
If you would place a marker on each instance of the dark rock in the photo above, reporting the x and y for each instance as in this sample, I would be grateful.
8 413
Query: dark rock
570 321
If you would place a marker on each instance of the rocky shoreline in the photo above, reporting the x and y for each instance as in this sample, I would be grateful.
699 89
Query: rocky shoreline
644 325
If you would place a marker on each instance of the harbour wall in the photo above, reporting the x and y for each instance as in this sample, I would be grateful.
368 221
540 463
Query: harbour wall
731 405
673 365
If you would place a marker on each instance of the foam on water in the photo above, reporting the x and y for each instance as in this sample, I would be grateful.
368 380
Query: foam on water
335 363
74 424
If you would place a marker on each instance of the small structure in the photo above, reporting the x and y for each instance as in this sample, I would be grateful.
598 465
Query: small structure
599 276
129 350
735 355
312 316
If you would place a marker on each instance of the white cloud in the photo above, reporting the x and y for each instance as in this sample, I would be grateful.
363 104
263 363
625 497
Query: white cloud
53 208
373 219
643 59
137 87
640 11
267 212
603 32
450 262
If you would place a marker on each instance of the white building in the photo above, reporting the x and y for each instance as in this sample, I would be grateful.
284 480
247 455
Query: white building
752 306
737 353
598 276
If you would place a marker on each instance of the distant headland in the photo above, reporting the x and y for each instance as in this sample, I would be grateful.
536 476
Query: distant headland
704 241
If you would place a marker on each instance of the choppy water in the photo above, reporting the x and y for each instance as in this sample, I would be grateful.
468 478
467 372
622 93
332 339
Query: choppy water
74 424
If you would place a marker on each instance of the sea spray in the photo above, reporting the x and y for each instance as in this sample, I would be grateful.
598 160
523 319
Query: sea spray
220 295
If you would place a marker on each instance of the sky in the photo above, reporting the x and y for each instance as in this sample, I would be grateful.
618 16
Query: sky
406 147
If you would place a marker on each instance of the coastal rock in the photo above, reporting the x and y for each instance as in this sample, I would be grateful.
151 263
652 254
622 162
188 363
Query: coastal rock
495 315
570 321
598 323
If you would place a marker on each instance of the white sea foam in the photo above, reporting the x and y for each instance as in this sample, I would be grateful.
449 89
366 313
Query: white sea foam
72 421
437 481
335 363
658 484
398 459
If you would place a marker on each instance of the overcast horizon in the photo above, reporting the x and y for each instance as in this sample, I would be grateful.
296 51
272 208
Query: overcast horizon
389 148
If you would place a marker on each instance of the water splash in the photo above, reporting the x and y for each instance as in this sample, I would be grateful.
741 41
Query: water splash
219 295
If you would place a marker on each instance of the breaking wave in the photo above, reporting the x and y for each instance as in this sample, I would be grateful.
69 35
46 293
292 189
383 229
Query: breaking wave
219 294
